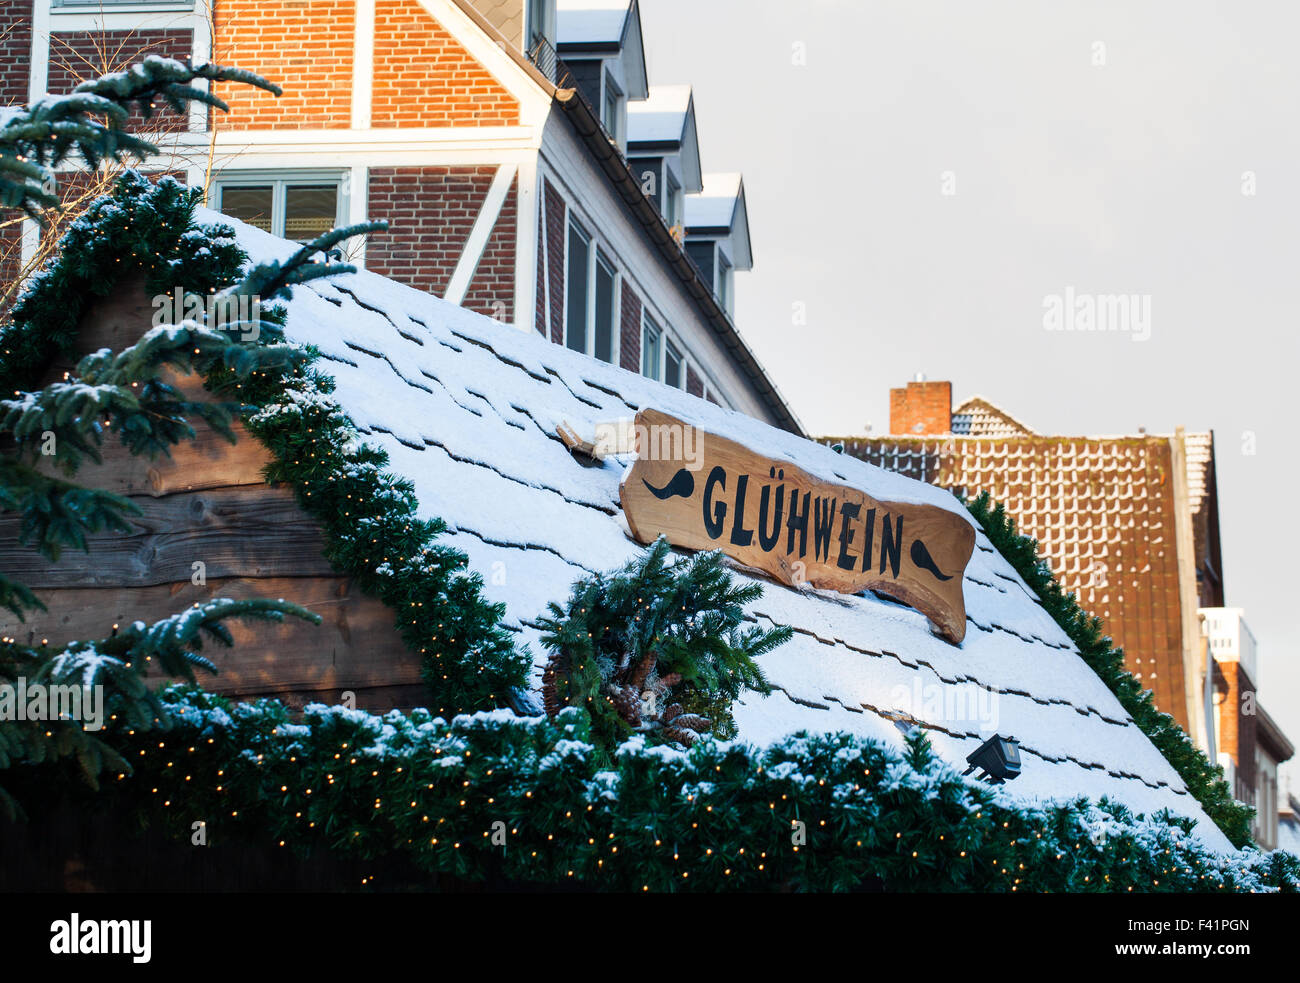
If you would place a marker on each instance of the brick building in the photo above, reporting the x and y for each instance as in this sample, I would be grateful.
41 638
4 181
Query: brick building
524 164
1130 524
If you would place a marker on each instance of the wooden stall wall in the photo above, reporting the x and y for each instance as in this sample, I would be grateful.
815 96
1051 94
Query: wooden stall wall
209 504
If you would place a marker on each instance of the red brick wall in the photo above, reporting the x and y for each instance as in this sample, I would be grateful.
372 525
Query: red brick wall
921 408
76 56
1238 728
15 48
630 330
694 384
430 211
424 77
555 233
304 46
492 291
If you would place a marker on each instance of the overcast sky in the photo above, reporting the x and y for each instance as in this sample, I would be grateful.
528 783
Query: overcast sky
1102 147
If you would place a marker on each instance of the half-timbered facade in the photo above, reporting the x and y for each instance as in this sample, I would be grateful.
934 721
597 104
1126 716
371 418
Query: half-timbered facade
496 137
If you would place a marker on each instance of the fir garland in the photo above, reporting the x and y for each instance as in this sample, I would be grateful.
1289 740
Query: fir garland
494 795
1204 779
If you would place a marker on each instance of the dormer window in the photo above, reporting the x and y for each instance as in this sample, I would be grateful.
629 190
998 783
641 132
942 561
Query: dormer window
611 112
673 200
723 285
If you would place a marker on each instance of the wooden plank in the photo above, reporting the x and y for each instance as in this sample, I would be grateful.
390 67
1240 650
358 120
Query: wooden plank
704 491
207 461
235 532
356 646
611 437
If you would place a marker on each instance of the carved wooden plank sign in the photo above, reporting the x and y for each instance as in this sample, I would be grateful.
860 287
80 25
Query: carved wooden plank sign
703 491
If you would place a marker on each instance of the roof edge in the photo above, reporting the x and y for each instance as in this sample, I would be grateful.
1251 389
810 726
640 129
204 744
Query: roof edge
616 168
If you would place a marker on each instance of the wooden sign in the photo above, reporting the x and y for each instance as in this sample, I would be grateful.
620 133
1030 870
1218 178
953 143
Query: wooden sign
703 491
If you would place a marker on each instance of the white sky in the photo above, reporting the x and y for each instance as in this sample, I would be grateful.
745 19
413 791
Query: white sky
1120 178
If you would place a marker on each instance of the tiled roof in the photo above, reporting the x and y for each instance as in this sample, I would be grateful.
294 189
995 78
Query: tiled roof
977 417
1102 510
468 408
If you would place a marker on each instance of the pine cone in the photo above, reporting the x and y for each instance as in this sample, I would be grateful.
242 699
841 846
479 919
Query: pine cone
692 721
670 680
642 672
627 703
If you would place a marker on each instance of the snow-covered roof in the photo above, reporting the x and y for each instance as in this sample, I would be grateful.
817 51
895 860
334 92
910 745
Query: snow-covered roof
467 409
661 116
591 21
715 206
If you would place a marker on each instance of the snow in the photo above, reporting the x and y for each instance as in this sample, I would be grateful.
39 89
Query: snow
467 410
591 21
715 206
661 116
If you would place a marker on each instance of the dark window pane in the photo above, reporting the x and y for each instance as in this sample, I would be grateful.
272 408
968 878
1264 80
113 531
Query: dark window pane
576 289
650 350
309 210
605 314
701 253
251 205
673 366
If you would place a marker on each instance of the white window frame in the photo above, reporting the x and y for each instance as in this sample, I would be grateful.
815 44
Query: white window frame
547 28
670 339
597 250
608 85
724 281
674 198
280 181
648 323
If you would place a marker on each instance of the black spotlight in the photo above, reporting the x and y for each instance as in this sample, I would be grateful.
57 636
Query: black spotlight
998 760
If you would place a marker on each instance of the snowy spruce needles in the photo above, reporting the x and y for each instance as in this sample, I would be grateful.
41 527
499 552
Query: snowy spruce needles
656 649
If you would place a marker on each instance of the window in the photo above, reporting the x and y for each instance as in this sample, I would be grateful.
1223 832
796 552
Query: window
723 288
611 108
674 370
536 21
673 201
294 208
591 303
651 348
118 3
576 287
606 314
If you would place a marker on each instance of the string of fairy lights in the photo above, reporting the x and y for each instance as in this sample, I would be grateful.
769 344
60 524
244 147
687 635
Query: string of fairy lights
484 794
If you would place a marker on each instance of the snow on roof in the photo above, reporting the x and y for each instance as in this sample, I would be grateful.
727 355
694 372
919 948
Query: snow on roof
661 117
591 21
467 409
715 206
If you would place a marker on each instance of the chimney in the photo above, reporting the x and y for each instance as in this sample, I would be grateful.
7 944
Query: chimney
921 408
